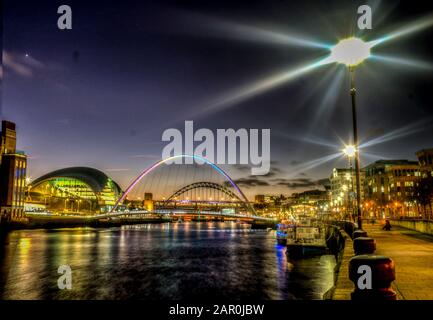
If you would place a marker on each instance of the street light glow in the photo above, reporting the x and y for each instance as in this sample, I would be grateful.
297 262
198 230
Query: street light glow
349 151
350 51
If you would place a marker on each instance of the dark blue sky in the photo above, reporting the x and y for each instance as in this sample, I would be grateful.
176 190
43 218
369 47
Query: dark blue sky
102 94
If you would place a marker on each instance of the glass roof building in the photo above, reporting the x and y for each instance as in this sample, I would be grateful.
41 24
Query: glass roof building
76 189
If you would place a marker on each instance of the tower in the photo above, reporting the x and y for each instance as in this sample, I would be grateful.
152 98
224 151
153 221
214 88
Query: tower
13 165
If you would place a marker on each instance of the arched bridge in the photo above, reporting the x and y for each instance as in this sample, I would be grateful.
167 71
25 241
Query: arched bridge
199 159
206 185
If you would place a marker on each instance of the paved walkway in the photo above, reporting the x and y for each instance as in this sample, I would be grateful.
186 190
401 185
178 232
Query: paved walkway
412 253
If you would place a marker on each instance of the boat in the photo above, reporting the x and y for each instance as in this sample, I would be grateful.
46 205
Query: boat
308 238
285 230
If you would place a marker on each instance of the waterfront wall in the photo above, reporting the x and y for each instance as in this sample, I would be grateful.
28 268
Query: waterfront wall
341 245
423 226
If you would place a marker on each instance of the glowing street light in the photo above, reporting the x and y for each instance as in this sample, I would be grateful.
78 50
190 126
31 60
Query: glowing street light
349 151
28 180
351 52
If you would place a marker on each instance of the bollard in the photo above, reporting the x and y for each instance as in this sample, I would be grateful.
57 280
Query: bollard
375 284
359 233
364 245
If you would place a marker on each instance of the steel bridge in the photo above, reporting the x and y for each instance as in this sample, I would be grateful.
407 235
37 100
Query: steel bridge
191 190
180 212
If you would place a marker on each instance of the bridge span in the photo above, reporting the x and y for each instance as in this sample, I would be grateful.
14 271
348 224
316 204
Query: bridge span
180 212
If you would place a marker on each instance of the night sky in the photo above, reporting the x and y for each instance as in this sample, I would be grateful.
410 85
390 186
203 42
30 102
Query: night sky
101 94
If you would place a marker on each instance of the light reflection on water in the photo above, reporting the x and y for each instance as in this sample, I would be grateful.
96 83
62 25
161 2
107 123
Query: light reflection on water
160 261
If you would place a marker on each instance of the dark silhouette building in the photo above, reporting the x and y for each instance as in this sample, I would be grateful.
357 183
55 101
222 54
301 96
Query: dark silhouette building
13 165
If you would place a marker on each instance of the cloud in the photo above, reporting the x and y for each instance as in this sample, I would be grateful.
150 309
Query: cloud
273 171
250 181
117 169
144 156
324 182
14 62
242 167
296 183
302 174
300 183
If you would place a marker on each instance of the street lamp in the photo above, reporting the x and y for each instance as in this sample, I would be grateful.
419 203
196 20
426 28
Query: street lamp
351 52
350 151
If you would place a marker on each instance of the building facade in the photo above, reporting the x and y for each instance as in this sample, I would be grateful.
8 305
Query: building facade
389 188
425 160
76 189
343 191
424 190
13 166
314 202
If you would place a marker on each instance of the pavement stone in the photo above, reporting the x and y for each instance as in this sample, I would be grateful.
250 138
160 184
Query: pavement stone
412 253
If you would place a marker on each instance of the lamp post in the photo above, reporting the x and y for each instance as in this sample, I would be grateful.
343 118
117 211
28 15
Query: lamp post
350 152
351 52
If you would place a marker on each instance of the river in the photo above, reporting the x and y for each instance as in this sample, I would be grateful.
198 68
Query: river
190 260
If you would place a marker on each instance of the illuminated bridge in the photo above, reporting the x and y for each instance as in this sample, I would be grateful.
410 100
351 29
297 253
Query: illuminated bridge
190 190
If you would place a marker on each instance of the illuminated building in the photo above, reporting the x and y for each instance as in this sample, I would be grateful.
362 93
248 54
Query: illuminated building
148 201
389 187
310 202
313 197
424 190
425 159
76 189
259 198
342 192
13 166
268 199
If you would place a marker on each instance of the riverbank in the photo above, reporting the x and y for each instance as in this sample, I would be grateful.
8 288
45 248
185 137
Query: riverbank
343 286
75 222
412 253
423 226
50 222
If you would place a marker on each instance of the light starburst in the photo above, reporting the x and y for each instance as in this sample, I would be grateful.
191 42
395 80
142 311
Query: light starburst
350 51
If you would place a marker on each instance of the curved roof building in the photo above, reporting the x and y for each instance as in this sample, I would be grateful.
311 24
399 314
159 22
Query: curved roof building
73 187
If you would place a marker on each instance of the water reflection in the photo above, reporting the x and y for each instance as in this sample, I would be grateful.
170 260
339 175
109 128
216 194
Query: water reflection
160 261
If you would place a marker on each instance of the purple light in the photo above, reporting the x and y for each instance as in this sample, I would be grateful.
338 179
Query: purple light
157 164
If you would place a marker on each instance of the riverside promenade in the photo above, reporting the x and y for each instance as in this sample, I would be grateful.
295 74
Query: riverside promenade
412 253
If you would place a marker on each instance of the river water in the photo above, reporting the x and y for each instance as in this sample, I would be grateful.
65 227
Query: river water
191 260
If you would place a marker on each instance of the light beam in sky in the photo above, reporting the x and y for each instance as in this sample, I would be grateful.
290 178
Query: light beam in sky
412 63
219 28
255 34
313 140
314 163
349 51
400 132
261 86
415 26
